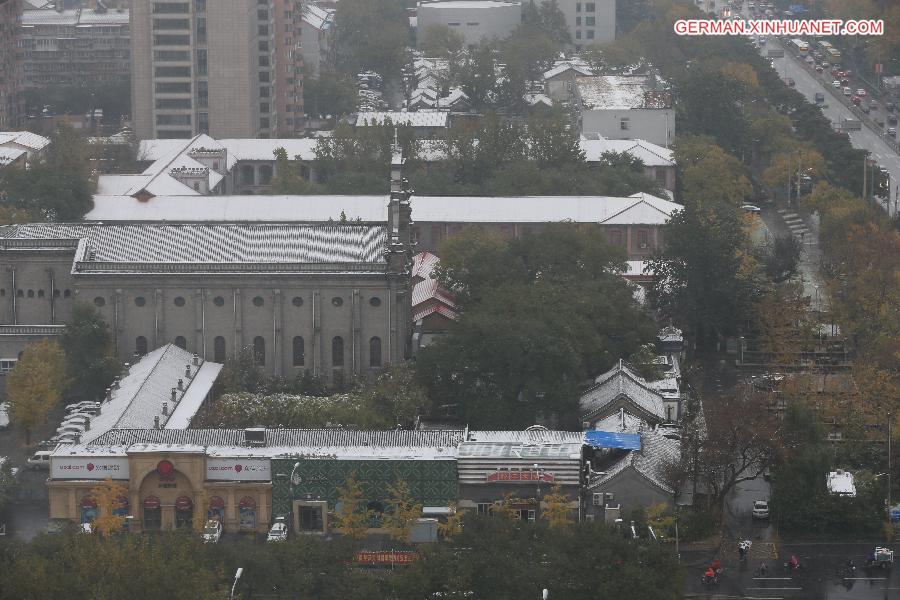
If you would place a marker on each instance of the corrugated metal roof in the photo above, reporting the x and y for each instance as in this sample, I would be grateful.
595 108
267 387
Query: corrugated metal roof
30 140
412 119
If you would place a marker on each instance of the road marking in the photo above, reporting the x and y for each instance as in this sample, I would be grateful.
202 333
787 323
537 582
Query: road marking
775 588
771 579
865 578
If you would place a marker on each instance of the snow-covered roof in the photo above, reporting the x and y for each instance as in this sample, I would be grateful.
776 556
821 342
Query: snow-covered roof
468 4
654 461
535 99
74 17
649 153
221 248
30 141
637 270
621 381
141 393
841 483
10 155
264 149
564 67
613 92
622 421
636 209
317 16
423 118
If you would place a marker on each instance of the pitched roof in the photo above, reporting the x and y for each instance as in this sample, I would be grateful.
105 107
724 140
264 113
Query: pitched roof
424 264
317 16
31 141
563 67
148 385
654 461
621 381
10 155
613 92
152 247
652 155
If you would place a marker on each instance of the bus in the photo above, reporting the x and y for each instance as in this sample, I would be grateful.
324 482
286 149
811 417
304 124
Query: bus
824 47
801 46
834 56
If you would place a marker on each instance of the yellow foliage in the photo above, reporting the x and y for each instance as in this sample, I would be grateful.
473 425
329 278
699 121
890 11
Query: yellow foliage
556 508
110 497
36 383
741 72
453 525
404 511
350 516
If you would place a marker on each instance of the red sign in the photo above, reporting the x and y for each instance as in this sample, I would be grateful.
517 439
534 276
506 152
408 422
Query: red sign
392 557
528 476
151 502
166 470
183 503
878 67
216 502
88 502
247 502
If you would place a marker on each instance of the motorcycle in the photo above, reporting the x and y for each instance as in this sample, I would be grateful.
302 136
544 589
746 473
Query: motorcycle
744 548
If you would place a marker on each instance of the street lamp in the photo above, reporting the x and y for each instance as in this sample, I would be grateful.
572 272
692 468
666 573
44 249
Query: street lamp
237 575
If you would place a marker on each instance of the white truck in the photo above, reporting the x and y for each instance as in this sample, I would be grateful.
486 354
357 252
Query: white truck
851 125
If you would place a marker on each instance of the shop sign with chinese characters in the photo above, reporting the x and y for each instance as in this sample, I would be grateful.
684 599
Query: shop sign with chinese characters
520 476
392 557
88 467
238 469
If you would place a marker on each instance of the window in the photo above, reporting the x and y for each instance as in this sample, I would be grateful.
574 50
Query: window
577 34
219 301
170 24
615 237
578 21
263 46
40 293
140 301
337 351
643 237
263 30
265 174
181 342
578 7
248 175
98 301
202 62
173 103
375 301
484 508
337 301
173 119
590 21
624 124
170 87
20 293
56 293
660 176
590 7
219 349
375 352
179 301
297 301
67 294
140 345
169 7
259 350
299 351
258 301
31 293
264 61
171 40
590 34
7 365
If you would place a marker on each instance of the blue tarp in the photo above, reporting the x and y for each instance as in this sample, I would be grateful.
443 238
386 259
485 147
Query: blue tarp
609 439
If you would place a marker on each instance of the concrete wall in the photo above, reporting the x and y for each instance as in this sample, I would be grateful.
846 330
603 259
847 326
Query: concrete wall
654 125
630 490
473 19
233 79
578 15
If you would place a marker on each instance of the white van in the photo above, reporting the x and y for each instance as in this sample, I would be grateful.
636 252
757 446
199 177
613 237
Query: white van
40 460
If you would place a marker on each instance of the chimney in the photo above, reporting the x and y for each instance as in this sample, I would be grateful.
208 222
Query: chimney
196 360
165 408
77 438
127 367
187 371
87 424
115 383
156 422
174 395
181 384
108 394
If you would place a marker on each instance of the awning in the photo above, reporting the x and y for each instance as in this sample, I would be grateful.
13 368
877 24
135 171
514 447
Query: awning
611 439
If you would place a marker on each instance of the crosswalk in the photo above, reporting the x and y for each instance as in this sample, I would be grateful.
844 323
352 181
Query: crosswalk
793 221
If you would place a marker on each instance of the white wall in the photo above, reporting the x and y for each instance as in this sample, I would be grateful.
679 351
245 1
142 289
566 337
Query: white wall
577 15
474 20
645 124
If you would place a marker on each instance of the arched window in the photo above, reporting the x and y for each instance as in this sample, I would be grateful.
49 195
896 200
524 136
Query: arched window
259 350
31 293
337 351
265 174
375 352
299 352
248 177
219 349
140 345
181 342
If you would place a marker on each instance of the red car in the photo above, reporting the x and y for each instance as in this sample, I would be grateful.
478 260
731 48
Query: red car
819 69
855 100
790 82
842 73
834 72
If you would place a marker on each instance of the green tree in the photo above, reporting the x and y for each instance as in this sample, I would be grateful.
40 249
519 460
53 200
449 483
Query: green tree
478 75
242 373
438 40
371 34
539 315
87 343
351 514
329 94
645 363
58 186
287 179
7 483
35 385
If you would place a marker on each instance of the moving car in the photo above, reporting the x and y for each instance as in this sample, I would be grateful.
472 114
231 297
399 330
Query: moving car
750 208
848 92
819 69
278 533
861 92
892 119
820 97
760 509
39 460
212 532
856 100
836 83
790 82
892 131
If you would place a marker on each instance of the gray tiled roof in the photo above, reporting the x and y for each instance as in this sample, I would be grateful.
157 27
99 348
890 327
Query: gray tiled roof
301 438
107 247
620 381
655 459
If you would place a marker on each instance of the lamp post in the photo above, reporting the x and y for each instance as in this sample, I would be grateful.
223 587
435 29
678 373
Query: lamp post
237 575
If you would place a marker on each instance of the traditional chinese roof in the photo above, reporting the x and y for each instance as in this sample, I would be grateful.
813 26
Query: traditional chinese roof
621 382
654 461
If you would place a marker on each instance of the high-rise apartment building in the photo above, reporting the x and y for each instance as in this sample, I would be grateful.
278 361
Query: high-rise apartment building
10 10
289 72
203 66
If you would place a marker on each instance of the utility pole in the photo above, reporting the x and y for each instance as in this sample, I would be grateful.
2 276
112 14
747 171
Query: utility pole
799 172
789 179
865 175
889 468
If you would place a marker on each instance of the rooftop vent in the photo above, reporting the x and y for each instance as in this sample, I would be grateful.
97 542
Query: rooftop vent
196 360
156 422
255 436
181 384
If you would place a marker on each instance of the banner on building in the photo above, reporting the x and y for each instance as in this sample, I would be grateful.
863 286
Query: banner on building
238 469
386 557
88 467
525 476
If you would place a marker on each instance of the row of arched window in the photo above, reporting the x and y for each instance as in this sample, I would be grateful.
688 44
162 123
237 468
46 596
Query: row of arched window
298 350
39 293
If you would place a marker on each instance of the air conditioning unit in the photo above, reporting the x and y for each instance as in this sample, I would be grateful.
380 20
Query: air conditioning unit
585 425
598 499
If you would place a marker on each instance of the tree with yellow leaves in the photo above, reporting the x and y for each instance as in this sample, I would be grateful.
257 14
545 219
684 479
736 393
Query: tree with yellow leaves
201 508
111 499
505 509
556 508
402 511
351 515
453 525
35 385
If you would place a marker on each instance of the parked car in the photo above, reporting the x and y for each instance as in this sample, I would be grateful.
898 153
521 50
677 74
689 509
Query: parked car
79 421
278 533
86 414
845 81
39 460
836 83
760 509
820 97
892 131
861 92
212 532
835 72
63 438
70 428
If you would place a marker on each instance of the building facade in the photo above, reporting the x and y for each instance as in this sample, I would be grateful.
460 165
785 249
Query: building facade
74 47
204 67
317 37
473 19
589 22
289 68
10 11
